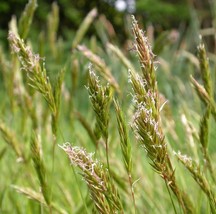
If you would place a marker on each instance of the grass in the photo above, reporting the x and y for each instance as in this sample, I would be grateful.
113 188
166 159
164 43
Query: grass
104 138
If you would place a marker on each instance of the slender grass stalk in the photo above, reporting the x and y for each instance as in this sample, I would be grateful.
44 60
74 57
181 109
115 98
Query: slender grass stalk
84 27
52 26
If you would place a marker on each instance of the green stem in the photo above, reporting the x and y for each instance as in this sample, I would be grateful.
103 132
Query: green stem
132 191
170 197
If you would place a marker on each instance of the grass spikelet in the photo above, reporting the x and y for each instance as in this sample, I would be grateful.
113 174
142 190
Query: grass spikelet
194 169
100 64
26 18
100 98
84 27
40 168
125 147
146 120
123 132
103 193
11 140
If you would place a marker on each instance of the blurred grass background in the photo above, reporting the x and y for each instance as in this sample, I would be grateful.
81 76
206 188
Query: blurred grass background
173 29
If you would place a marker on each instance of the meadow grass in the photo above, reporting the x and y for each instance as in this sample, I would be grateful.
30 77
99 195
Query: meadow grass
102 137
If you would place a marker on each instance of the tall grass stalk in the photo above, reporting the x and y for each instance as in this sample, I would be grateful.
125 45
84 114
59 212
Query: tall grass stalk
39 80
147 122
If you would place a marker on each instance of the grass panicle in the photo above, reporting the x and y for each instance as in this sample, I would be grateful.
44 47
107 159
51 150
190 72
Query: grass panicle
103 193
84 27
146 57
100 97
26 18
146 120
31 64
37 76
